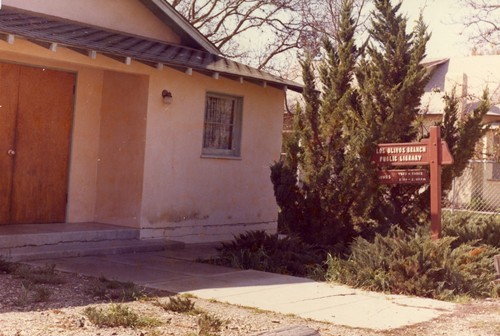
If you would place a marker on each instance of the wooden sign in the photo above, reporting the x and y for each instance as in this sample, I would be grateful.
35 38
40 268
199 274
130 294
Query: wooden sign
403 176
432 152
408 154
402 154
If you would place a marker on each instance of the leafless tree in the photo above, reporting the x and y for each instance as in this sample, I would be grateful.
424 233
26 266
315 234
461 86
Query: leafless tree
482 21
253 31
266 34
321 19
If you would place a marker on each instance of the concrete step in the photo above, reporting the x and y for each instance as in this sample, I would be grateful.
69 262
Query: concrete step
13 236
41 241
87 248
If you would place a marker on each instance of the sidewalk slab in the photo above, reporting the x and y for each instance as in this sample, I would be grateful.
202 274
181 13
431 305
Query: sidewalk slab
283 294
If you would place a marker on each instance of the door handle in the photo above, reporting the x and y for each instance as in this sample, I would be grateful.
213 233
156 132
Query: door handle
11 152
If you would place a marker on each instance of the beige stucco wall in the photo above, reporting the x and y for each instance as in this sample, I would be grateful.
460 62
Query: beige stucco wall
184 196
191 198
121 148
85 145
121 15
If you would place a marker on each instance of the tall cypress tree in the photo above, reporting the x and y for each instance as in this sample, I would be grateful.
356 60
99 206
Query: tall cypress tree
461 134
391 84
326 187
317 204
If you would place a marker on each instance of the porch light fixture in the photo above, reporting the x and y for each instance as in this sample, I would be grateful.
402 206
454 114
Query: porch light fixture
167 97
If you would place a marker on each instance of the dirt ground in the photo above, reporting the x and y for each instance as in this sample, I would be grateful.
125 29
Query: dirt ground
45 302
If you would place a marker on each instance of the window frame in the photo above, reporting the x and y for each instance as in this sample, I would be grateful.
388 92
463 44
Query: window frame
235 151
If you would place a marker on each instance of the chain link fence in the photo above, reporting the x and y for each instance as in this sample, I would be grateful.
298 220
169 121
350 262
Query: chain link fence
477 190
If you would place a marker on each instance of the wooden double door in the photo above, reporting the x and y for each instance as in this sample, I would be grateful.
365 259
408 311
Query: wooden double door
36 113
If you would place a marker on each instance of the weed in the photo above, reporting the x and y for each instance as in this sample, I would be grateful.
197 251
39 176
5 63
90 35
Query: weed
7 266
113 290
179 305
23 299
209 324
40 275
41 294
111 284
31 293
117 315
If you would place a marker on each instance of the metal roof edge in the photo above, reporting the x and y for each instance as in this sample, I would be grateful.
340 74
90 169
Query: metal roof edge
431 62
169 15
193 59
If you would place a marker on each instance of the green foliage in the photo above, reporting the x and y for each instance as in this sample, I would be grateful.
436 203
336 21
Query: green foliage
471 228
326 186
265 252
461 134
117 315
317 206
411 263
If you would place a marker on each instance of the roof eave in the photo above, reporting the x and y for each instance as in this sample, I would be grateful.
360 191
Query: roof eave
190 35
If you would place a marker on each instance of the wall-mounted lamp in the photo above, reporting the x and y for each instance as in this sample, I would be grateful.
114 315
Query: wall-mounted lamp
167 97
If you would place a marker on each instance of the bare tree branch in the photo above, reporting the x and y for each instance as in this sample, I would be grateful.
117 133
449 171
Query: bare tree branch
261 32
482 21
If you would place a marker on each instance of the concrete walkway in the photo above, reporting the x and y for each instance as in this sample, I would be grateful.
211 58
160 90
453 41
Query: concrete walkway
176 271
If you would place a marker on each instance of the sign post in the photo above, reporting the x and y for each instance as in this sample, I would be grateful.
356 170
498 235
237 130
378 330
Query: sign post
435 170
432 152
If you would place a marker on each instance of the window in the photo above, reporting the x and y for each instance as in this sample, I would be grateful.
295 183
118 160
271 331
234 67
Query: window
222 128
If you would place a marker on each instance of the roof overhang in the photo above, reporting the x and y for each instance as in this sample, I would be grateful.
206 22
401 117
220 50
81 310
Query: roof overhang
189 34
52 32
432 62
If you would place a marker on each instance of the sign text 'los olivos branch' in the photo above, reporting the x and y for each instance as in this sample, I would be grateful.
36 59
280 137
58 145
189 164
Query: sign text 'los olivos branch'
408 154
401 154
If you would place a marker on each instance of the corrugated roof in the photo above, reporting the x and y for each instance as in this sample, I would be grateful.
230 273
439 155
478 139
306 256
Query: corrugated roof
190 36
75 35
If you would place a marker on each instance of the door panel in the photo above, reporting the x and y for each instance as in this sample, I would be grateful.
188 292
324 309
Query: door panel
42 145
43 131
9 84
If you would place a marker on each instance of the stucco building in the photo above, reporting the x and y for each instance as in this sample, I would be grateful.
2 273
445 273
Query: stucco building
120 112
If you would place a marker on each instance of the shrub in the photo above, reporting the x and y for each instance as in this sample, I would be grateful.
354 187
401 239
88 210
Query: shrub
40 275
265 252
469 227
117 315
113 290
7 266
411 263
208 324
179 305
31 294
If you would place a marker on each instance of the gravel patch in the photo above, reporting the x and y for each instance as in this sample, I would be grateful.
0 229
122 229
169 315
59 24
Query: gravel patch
58 308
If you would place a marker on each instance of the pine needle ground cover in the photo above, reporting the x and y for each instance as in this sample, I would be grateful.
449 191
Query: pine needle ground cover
459 264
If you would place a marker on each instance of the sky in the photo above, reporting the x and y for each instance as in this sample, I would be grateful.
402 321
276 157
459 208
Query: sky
439 15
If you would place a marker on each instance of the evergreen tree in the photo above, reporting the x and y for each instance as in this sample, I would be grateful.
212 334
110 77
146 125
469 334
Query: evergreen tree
391 84
461 134
326 187
317 204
